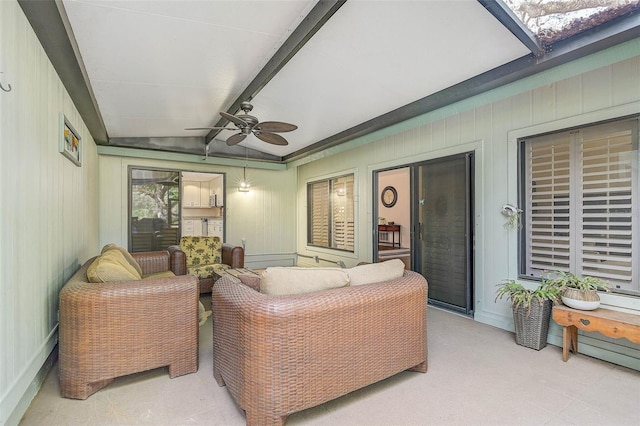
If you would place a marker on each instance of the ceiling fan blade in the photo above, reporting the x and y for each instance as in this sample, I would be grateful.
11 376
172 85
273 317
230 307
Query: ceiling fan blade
271 138
210 128
235 120
275 126
236 139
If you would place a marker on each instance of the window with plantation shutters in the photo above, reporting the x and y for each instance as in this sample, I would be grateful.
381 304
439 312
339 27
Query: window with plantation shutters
581 199
330 214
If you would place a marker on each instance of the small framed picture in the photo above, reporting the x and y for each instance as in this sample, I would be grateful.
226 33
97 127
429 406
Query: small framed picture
70 142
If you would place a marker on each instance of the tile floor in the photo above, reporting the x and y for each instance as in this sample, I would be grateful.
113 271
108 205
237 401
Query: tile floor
477 376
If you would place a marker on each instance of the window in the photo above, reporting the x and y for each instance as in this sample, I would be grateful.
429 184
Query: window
330 214
580 197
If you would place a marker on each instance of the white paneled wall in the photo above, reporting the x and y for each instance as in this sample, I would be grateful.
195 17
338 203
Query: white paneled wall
264 217
599 93
49 208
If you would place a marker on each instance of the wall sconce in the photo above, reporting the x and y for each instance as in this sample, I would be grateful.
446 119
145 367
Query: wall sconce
244 184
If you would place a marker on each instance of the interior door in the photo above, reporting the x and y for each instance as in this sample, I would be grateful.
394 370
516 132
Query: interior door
442 217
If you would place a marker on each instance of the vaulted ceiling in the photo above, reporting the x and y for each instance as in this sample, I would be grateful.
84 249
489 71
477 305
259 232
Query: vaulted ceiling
140 72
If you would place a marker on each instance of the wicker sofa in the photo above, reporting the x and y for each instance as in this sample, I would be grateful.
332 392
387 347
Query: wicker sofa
281 354
112 329
206 257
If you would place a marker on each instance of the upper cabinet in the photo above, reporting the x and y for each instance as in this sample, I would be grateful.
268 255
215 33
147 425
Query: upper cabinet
217 192
196 194
202 191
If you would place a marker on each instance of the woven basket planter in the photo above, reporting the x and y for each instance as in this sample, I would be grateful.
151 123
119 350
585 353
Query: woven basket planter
586 300
532 325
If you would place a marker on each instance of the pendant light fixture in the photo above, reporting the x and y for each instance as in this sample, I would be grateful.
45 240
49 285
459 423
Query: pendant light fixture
244 183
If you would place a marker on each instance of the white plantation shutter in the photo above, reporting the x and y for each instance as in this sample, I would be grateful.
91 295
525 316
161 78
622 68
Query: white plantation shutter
608 190
581 192
548 215
331 213
343 213
319 214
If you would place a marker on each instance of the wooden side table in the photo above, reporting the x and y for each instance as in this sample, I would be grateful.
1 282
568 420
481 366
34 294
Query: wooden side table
610 323
393 229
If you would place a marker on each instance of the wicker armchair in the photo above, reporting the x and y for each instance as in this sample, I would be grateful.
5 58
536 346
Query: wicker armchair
109 330
281 354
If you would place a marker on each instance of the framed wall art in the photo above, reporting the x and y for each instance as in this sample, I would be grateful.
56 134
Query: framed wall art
70 144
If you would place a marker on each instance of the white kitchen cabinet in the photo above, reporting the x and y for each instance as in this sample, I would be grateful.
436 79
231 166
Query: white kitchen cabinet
216 187
216 228
191 194
191 227
205 193
196 194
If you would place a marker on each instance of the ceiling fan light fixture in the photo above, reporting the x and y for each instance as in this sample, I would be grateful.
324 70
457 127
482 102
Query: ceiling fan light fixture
248 124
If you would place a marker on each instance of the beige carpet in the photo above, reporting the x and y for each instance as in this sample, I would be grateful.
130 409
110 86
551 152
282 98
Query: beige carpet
477 376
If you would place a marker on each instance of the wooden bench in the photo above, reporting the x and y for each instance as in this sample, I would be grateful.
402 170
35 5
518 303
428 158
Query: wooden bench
610 323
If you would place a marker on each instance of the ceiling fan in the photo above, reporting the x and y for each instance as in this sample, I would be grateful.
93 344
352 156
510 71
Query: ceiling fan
247 124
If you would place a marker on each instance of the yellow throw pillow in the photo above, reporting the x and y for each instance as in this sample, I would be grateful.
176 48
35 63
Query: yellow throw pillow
376 272
126 254
279 280
111 266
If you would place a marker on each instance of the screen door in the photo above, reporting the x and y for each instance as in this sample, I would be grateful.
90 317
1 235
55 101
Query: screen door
443 237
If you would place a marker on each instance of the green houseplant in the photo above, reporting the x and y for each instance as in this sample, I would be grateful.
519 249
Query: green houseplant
513 215
531 310
579 293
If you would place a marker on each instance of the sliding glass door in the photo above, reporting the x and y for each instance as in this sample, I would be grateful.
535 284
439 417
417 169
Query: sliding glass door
442 216
154 209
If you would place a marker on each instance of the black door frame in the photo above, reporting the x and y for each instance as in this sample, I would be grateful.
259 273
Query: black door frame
415 224
469 231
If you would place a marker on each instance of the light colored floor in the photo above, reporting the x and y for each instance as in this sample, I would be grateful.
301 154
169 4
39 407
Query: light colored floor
477 376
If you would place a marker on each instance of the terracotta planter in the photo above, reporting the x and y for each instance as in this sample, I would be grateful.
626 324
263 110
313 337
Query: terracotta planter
581 299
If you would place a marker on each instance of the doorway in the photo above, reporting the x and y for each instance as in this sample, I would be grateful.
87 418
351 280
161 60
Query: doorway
442 215
430 206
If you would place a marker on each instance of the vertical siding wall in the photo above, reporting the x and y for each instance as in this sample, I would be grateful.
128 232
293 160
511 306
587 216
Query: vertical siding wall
264 217
48 214
483 125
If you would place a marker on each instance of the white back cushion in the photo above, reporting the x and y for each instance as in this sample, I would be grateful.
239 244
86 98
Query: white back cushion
376 272
279 280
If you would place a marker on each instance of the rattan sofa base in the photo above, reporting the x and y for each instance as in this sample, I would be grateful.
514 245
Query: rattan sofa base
278 355
114 329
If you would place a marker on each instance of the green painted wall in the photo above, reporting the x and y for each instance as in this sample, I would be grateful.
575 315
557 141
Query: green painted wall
49 211
603 86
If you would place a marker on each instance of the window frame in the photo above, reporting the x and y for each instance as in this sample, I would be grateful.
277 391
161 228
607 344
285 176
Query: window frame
576 259
310 223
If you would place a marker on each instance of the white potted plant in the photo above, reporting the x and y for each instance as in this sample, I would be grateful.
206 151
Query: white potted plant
579 293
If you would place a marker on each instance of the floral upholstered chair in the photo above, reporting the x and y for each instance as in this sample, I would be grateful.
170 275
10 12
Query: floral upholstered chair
204 255
204 259
207 257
